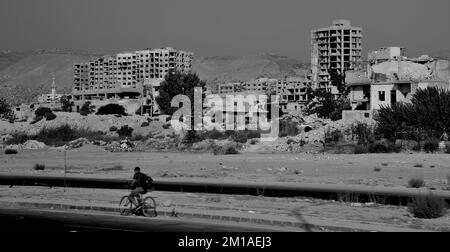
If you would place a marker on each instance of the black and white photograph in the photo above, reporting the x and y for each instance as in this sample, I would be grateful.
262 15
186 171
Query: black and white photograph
223 123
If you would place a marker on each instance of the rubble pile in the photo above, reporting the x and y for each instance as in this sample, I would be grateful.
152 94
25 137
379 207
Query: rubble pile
28 145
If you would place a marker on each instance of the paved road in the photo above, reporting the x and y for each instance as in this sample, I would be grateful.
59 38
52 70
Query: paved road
36 220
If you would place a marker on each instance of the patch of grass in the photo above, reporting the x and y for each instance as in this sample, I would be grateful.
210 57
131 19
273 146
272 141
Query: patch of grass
428 207
115 168
225 150
416 182
167 126
113 129
384 164
418 166
377 169
11 152
39 167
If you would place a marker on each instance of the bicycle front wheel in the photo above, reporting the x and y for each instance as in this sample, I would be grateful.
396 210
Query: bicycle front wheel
125 206
149 207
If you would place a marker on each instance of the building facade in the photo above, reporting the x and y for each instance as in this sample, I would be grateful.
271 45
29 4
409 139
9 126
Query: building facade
338 47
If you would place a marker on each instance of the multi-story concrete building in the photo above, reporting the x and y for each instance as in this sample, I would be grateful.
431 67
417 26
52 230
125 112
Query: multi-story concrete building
338 47
128 75
391 81
293 92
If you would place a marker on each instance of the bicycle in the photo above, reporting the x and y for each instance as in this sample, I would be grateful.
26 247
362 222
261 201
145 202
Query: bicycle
146 207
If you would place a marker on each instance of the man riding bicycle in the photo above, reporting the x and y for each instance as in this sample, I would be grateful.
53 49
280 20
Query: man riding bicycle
140 185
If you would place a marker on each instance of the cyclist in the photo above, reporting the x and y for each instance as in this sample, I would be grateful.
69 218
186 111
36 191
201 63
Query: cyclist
139 185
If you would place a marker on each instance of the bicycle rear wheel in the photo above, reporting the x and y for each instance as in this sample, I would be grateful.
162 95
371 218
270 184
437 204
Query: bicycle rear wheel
149 207
125 206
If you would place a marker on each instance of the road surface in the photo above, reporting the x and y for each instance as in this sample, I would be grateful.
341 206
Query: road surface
37 220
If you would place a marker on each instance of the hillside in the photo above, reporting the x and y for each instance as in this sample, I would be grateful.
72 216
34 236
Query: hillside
24 75
443 54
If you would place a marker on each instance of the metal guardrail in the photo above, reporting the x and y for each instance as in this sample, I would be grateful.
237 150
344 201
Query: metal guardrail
360 194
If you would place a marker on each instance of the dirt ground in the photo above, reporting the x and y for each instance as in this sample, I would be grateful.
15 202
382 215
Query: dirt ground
390 170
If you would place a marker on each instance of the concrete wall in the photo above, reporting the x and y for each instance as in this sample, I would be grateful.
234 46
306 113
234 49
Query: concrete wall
357 115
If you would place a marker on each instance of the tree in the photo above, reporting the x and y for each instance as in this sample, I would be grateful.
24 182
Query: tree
175 84
66 103
111 109
86 109
5 108
338 80
326 104
428 111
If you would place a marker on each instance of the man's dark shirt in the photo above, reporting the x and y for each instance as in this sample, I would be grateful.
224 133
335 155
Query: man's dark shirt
139 178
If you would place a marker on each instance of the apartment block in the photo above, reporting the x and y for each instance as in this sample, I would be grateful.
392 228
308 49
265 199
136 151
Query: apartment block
338 47
128 75
293 92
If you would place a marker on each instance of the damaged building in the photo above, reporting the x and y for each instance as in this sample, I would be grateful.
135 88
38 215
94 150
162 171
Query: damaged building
127 76
390 78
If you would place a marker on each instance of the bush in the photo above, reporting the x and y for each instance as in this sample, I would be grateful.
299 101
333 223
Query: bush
11 152
86 109
225 150
145 124
384 148
39 167
417 182
50 116
192 137
364 133
167 126
17 138
125 131
427 112
333 136
360 149
214 134
254 141
253 134
240 137
431 145
111 109
428 207
42 112
113 129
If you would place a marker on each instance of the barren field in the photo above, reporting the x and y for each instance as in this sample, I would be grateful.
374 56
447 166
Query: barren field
390 170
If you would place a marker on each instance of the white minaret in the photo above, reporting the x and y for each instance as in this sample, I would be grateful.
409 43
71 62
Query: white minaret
53 89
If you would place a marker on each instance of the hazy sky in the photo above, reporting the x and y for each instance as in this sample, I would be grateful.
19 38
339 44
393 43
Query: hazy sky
218 27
